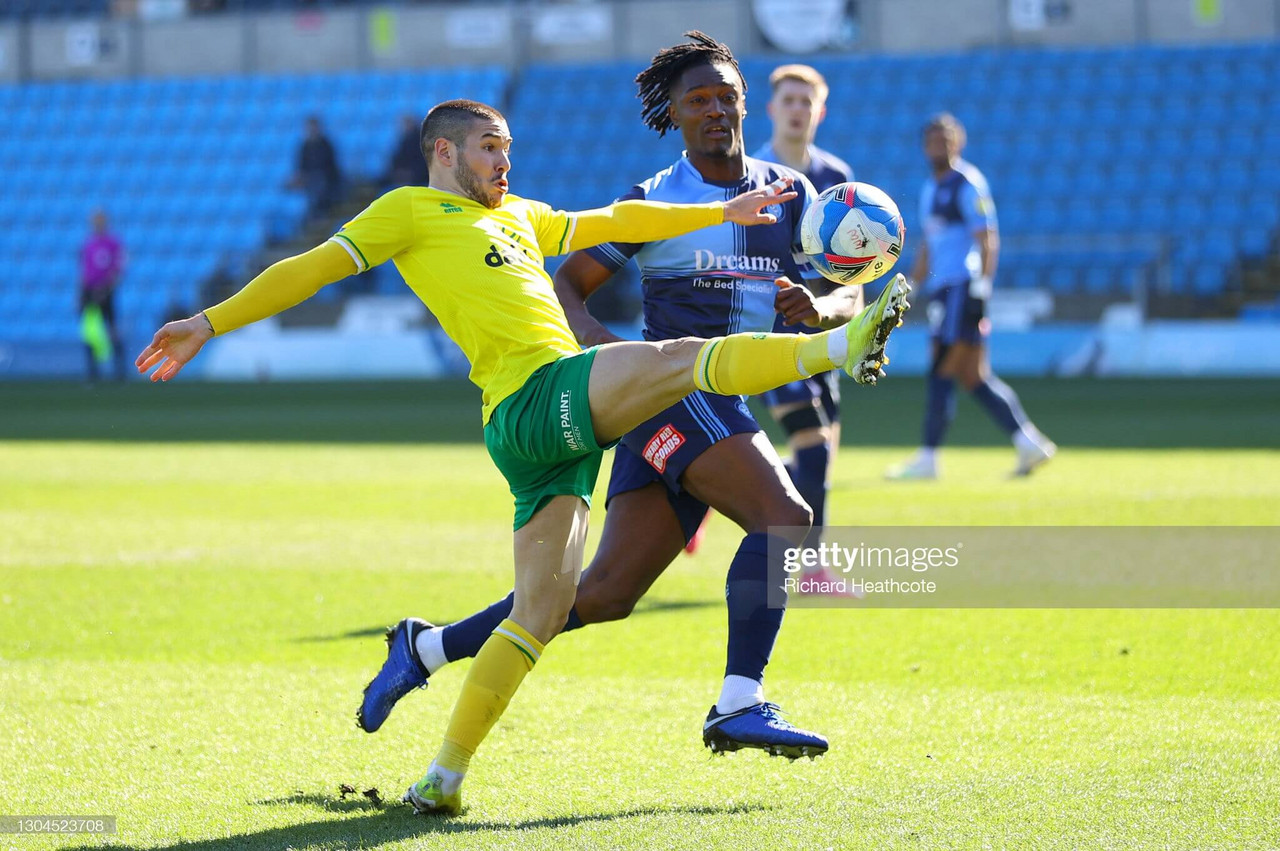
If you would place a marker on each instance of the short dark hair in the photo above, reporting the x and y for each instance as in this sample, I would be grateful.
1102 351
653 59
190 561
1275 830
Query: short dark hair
947 123
452 120
664 71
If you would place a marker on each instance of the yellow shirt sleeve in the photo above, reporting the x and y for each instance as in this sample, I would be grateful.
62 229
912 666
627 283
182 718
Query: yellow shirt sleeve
626 221
383 230
280 286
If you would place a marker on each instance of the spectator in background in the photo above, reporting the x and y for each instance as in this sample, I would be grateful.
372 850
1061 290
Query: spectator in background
318 173
101 265
408 166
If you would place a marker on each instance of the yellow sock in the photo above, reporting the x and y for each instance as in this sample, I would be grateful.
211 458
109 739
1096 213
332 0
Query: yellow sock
500 666
748 364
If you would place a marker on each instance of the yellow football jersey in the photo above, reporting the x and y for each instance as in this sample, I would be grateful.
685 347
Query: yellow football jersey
479 271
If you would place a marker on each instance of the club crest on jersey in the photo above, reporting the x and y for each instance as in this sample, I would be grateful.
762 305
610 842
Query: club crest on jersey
774 210
662 446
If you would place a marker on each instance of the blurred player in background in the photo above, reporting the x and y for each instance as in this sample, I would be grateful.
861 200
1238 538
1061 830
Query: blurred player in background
474 255
708 449
955 264
101 266
407 166
808 411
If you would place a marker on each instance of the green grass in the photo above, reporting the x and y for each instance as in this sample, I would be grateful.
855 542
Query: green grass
185 628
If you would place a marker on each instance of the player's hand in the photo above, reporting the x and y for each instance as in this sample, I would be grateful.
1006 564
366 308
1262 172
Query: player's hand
796 304
173 346
746 208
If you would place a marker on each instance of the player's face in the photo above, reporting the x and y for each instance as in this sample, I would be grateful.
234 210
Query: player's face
707 106
483 163
941 147
796 111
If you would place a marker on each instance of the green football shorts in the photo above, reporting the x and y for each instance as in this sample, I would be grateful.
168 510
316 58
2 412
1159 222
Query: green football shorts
541 437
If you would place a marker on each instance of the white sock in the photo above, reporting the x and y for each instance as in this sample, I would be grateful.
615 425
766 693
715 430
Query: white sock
838 347
738 693
449 780
928 455
1026 437
430 648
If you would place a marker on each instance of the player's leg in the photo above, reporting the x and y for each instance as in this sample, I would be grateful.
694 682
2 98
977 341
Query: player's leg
625 564
642 535
548 560
968 361
742 478
630 382
797 408
945 312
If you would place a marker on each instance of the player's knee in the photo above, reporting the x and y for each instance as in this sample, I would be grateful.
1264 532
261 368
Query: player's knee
809 438
607 602
790 518
672 365
802 419
798 514
543 615
680 353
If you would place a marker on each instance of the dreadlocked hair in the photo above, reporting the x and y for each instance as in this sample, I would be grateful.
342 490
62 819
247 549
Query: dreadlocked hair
655 82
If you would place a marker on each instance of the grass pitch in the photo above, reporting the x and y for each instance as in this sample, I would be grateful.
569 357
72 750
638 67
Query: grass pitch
185 627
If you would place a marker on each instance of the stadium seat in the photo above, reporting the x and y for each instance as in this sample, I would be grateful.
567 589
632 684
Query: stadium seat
1132 142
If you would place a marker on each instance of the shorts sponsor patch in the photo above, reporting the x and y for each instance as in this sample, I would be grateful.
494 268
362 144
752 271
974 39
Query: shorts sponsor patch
662 446
569 430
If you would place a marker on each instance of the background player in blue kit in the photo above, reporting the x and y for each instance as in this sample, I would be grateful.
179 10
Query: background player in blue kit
706 450
955 264
809 410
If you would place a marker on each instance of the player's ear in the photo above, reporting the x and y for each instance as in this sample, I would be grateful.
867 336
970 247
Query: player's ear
444 152
822 113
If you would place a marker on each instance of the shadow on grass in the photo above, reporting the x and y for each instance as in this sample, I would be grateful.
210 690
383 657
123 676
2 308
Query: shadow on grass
644 607
397 823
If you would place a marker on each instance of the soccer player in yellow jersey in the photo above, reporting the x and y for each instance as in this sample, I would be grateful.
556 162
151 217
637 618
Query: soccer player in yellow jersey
474 254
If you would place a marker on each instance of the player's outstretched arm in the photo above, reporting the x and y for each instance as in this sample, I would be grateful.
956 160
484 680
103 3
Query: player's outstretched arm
279 287
649 221
577 278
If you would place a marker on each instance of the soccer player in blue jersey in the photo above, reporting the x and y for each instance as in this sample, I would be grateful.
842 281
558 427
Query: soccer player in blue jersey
809 410
707 449
956 263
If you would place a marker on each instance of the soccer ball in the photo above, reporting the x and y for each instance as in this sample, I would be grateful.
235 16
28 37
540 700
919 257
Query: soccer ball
852 233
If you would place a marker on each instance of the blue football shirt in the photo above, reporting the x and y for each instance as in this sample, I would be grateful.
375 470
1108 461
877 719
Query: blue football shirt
952 209
717 280
825 168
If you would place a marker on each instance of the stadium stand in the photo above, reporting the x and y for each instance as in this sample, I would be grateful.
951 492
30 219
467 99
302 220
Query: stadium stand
1102 162
192 172
1106 165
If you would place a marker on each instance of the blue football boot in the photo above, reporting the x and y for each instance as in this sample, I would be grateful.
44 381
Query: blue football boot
401 673
760 726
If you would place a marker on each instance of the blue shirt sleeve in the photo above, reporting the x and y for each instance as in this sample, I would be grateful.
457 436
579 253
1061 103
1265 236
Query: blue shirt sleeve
614 255
977 208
